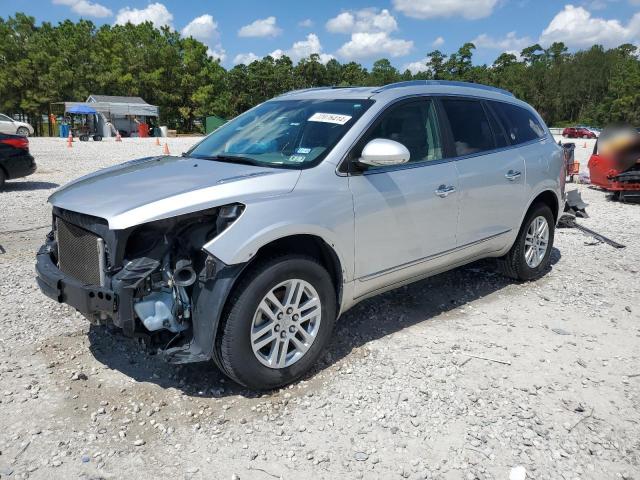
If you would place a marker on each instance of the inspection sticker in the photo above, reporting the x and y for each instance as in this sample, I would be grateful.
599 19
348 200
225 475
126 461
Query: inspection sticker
303 150
330 118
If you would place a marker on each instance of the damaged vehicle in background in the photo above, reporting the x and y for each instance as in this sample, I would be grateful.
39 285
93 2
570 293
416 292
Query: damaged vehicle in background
247 248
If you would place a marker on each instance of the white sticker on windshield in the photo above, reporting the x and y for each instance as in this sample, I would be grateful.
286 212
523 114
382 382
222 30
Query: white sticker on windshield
330 118
297 158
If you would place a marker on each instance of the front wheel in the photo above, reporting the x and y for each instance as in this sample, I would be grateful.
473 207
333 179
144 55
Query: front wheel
23 131
529 256
279 321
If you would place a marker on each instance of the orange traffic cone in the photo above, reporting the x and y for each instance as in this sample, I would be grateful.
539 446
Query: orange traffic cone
165 150
118 137
158 141
70 141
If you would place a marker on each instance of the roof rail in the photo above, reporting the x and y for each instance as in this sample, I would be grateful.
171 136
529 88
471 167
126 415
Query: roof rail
313 89
446 83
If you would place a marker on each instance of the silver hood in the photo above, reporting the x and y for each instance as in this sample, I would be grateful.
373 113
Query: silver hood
154 188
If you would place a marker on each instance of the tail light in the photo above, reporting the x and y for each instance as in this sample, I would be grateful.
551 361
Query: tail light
20 142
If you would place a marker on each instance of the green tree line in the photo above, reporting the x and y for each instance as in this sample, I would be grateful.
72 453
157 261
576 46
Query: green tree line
41 64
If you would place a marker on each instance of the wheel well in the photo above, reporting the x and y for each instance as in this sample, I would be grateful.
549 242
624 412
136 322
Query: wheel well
548 198
310 245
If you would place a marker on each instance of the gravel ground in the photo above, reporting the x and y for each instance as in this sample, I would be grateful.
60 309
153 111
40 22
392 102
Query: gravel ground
403 391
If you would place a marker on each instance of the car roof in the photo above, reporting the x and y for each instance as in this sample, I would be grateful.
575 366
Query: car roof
401 89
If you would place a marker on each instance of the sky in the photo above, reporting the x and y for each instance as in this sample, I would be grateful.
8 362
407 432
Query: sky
403 31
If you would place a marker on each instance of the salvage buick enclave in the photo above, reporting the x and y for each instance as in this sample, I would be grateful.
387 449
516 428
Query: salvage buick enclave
247 248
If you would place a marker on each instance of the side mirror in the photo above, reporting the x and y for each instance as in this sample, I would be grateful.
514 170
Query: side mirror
382 152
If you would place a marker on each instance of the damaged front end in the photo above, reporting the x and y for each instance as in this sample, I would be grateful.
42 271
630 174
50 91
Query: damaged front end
152 279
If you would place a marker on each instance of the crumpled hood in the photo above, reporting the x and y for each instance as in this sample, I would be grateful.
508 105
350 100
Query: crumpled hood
154 188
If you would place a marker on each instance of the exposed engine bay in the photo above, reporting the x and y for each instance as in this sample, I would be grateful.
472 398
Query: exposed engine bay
153 278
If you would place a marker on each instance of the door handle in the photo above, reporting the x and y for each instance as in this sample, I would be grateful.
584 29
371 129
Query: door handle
512 175
444 190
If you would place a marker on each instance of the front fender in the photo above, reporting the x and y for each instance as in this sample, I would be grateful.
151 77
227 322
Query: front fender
264 222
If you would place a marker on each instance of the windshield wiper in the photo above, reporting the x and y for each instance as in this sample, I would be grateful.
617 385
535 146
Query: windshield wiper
231 159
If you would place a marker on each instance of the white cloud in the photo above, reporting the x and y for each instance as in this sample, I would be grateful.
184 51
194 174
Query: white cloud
203 28
577 28
306 23
367 20
86 8
218 53
509 42
469 9
155 13
245 58
302 49
438 42
265 27
416 67
366 45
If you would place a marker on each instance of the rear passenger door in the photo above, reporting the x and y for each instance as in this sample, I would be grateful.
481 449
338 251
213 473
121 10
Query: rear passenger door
491 175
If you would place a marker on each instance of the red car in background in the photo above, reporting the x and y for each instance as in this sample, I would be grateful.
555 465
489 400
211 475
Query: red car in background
578 132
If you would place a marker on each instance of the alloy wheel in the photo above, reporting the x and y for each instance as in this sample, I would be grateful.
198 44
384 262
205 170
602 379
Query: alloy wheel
286 323
536 241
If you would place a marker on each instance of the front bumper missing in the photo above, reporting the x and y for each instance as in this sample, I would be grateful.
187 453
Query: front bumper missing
90 300
114 301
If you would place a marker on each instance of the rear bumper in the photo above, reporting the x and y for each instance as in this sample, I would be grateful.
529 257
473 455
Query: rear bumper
20 166
92 301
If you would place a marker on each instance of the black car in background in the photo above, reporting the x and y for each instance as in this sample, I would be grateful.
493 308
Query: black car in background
15 159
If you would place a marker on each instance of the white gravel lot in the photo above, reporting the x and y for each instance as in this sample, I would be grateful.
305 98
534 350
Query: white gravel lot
399 394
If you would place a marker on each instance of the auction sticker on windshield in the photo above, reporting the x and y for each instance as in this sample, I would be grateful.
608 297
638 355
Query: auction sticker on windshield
330 118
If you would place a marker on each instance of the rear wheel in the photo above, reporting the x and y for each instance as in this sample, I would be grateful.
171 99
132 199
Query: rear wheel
24 131
97 138
529 256
279 321
2 178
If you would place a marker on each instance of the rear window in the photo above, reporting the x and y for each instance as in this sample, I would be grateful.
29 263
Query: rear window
469 126
519 123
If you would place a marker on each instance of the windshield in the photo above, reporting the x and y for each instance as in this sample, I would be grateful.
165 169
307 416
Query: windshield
283 133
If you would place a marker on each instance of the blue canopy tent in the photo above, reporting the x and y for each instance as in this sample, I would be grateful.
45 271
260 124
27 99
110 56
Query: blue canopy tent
80 109
87 127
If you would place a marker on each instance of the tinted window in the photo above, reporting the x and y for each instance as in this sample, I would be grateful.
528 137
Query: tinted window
415 125
498 132
469 126
520 124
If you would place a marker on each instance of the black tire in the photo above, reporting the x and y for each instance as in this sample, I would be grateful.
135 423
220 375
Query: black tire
2 178
234 343
514 264
97 138
23 131
84 138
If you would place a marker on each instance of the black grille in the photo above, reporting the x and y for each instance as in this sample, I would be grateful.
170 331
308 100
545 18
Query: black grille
78 253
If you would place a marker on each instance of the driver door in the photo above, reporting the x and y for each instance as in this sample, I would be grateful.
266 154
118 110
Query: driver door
405 215
6 125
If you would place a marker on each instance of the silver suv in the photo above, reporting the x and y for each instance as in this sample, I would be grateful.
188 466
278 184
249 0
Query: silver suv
247 248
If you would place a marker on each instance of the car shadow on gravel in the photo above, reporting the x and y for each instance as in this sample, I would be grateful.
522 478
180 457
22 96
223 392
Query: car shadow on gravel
370 320
27 186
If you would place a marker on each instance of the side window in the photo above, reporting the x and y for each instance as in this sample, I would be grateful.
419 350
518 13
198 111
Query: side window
4 118
498 132
519 123
469 126
415 125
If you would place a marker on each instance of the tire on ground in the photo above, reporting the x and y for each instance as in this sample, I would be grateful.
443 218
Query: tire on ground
234 343
514 264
